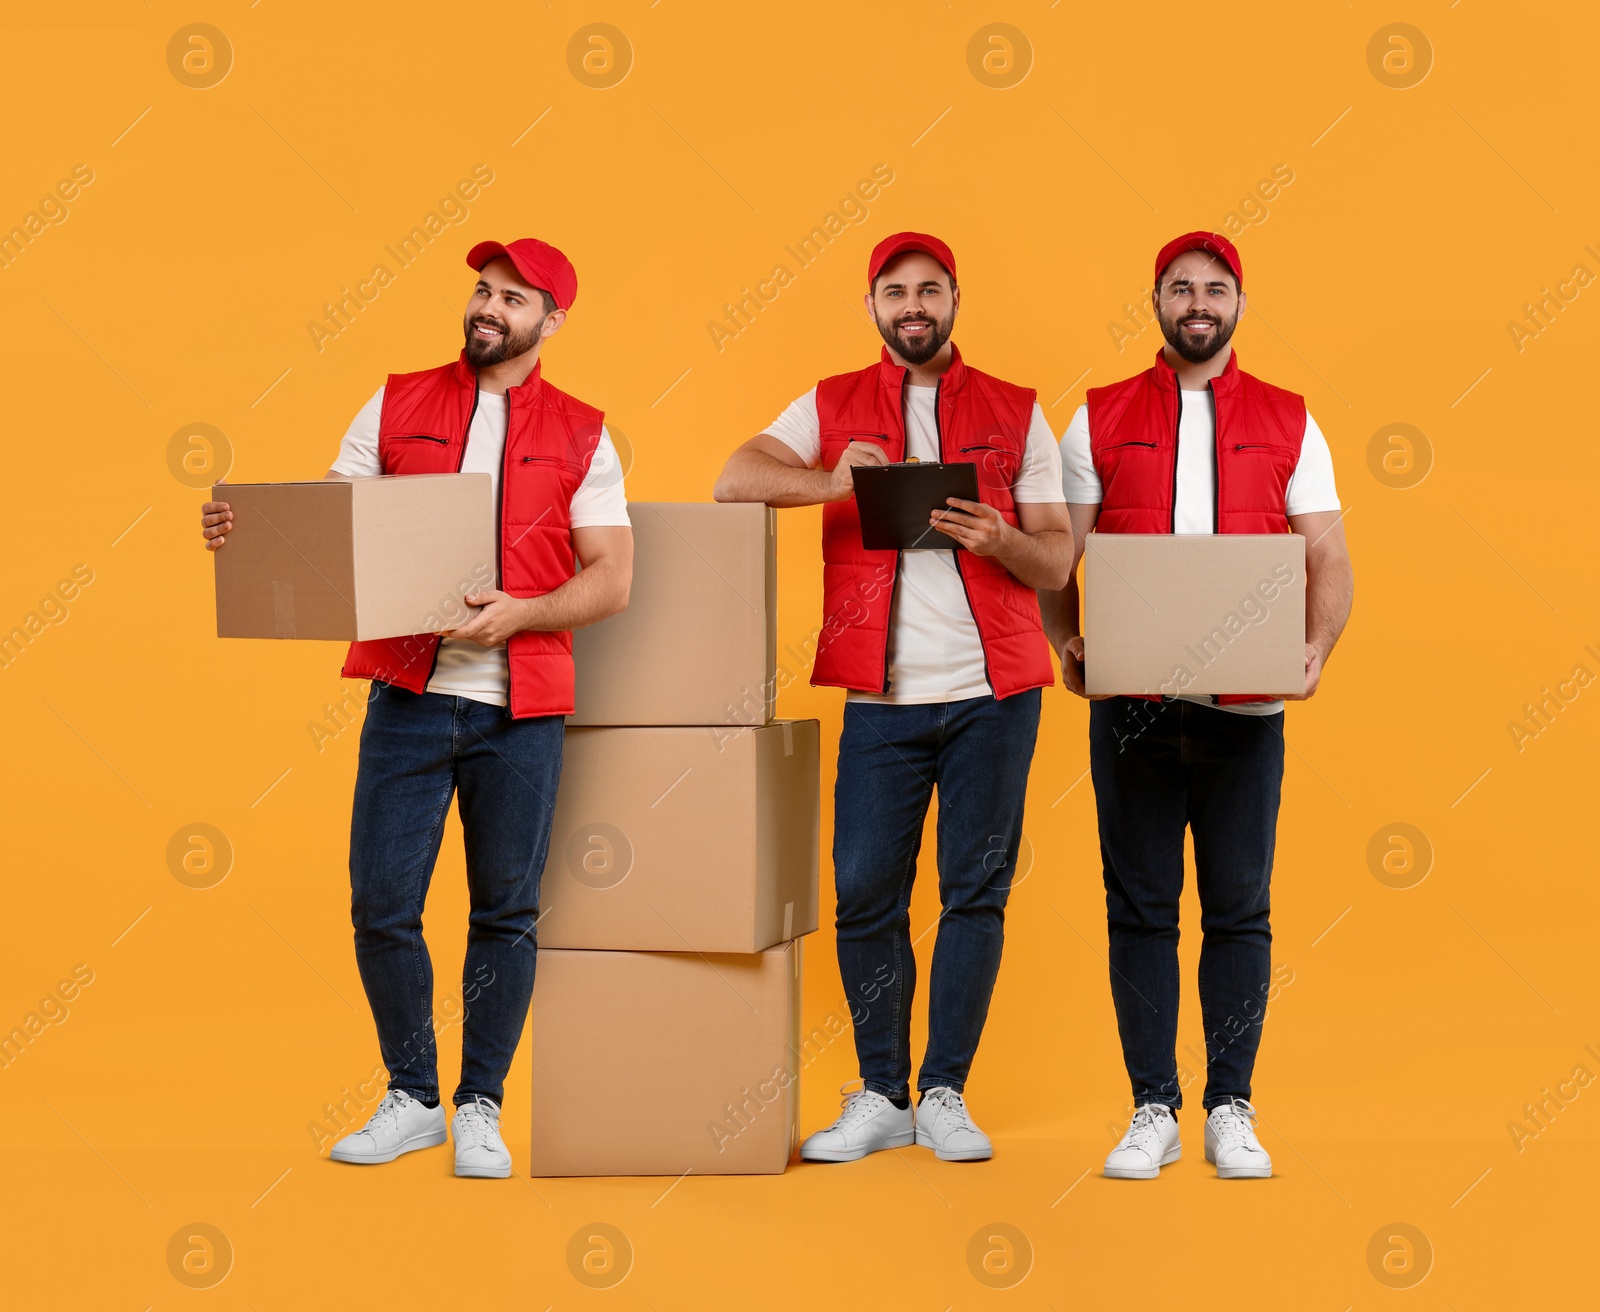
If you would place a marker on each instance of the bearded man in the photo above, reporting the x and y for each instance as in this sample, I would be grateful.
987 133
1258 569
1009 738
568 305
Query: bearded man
1195 445
944 656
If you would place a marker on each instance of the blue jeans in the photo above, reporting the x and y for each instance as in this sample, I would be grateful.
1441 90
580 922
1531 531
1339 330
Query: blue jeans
891 758
417 749
1158 767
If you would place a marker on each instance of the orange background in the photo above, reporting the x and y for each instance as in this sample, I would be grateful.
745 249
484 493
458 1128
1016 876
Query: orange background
178 290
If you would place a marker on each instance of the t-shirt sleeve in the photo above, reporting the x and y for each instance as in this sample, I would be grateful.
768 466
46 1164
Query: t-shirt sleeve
799 429
358 452
1039 480
600 501
1080 484
1311 488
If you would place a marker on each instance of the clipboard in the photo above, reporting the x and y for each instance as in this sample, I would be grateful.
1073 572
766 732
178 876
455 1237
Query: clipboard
895 501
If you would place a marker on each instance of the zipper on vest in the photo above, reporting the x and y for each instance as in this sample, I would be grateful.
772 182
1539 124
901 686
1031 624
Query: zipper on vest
500 533
1177 436
1216 475
419 437
1216 459
1252 446
900 556
888 620
461 460
965 449
1117 446
961 573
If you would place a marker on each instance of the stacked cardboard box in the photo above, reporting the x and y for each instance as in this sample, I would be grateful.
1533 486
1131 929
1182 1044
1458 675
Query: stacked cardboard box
682 871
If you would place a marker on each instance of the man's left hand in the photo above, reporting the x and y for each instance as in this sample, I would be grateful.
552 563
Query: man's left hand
1313 674
501 616
976 526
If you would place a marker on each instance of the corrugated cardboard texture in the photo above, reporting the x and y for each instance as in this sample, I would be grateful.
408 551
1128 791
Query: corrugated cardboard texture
362 558
684 839
288 569
655 1063
698 643
422 542
1194 613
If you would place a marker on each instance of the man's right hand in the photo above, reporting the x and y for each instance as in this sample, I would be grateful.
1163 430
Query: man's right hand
1071 654
857 453
1072 666
216 519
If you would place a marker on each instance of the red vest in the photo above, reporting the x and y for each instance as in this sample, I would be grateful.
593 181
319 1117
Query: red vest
981 421
550 442
1133 437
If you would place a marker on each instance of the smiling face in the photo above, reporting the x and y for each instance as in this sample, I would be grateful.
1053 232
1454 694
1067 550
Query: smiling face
915 306
1198 305
506 317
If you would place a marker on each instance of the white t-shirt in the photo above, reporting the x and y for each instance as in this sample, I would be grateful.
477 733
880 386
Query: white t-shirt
464 669
935 654
1311 488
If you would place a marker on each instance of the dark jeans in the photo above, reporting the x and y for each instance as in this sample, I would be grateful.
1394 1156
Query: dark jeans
1158 766
976 752
416 750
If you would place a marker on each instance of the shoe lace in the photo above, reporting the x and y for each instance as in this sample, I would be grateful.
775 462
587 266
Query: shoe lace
388 1112
1233 1122
478 1126
1145 1128
856 1106
951 1103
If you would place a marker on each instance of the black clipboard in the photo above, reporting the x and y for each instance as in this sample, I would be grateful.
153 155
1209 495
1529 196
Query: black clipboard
895 501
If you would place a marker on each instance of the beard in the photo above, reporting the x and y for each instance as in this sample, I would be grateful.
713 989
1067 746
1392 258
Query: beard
917 350
1192 351
481 353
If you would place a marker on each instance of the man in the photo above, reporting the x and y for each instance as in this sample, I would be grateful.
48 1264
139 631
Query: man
1195 445
944 655
480 711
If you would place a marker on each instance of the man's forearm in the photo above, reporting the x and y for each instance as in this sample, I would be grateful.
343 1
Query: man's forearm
1330 590
1038 560
1059 610
595 593
755 476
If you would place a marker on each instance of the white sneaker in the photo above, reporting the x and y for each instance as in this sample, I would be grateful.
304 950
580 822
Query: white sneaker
480 1151
868 1124
400 1125
944 1124
1150 1143
1231 1143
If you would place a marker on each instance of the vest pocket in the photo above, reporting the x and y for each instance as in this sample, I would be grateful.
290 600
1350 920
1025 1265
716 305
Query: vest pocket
415 453
1282 457
833 441
998 465
1141 458
550 460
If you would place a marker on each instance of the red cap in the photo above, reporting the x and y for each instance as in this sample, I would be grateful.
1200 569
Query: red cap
902 242
1211 243
540 264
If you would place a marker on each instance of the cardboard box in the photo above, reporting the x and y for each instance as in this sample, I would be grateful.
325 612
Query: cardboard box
659 1063
1194 613
698 643
684 840
361 558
